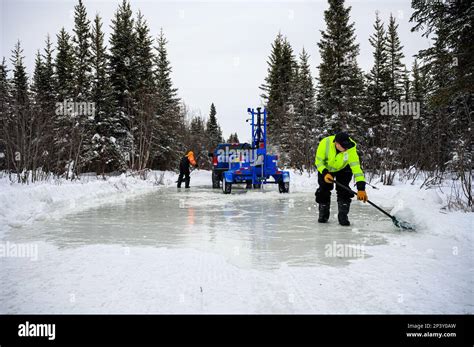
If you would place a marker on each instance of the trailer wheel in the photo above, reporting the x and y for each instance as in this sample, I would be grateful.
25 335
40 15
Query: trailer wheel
226 186
257 186
284 187
248 185
216 182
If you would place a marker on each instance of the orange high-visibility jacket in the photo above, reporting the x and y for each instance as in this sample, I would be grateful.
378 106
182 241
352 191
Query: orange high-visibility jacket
191 159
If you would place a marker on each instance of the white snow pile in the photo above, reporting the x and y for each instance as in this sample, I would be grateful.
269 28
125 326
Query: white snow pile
24 203
423 207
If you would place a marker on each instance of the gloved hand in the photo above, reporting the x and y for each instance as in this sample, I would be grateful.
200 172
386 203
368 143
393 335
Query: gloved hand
328 178
362 195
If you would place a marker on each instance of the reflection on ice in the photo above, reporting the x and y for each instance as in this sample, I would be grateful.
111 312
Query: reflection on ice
252 229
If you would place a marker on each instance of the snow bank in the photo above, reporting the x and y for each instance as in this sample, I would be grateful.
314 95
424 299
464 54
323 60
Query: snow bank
423 207
22 204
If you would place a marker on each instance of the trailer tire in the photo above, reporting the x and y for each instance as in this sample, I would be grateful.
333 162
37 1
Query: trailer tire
257 186
216 182
284 187
226 186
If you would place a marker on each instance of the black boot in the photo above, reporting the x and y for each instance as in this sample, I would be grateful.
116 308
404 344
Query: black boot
323 213
343 207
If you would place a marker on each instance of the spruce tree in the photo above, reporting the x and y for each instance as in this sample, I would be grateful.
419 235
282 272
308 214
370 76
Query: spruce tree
4 91
144 56
49 85
378 76
288 122
21 125
101 87
46 100
123 77
414 150
5 117
164 84
438 61
103 152
197 137
82 53
143 124
233 138
43 107
377 85
451 24
278 87
169 141
64 126
37 77
20 79
419 84
393 123
394 61
270 88
123 67
213 130
64 64
307 123
341 85
85 127
44 84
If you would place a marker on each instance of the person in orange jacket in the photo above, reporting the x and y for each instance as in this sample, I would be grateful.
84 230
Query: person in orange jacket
184 166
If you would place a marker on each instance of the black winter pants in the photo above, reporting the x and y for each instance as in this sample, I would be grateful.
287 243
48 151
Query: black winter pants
323 193
183 176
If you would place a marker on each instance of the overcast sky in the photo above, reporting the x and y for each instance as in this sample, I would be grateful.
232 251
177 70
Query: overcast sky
218 49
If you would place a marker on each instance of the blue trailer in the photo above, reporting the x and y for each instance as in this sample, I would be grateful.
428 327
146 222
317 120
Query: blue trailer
220 162
253 166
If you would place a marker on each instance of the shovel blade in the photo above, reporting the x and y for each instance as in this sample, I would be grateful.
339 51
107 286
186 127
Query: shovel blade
403 225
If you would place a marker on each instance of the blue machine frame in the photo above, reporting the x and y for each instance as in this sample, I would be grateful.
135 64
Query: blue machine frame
256 167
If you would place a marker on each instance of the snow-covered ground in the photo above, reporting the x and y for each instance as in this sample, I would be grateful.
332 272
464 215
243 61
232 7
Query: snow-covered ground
23 204
129 245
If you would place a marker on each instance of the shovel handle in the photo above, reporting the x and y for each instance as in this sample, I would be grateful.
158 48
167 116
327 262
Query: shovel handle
370 202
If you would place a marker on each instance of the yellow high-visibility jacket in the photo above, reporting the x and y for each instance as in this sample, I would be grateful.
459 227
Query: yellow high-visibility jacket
328 158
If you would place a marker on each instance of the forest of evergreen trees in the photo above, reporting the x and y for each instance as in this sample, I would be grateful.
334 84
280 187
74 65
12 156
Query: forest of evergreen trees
409 119
95 107
92 106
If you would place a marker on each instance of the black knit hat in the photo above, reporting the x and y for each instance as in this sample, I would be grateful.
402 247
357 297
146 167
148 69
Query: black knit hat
343 139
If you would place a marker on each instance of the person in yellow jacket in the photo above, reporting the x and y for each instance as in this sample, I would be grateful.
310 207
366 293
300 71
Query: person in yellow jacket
337 158
184 171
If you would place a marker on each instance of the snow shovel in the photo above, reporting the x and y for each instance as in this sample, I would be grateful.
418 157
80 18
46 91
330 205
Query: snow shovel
398 223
